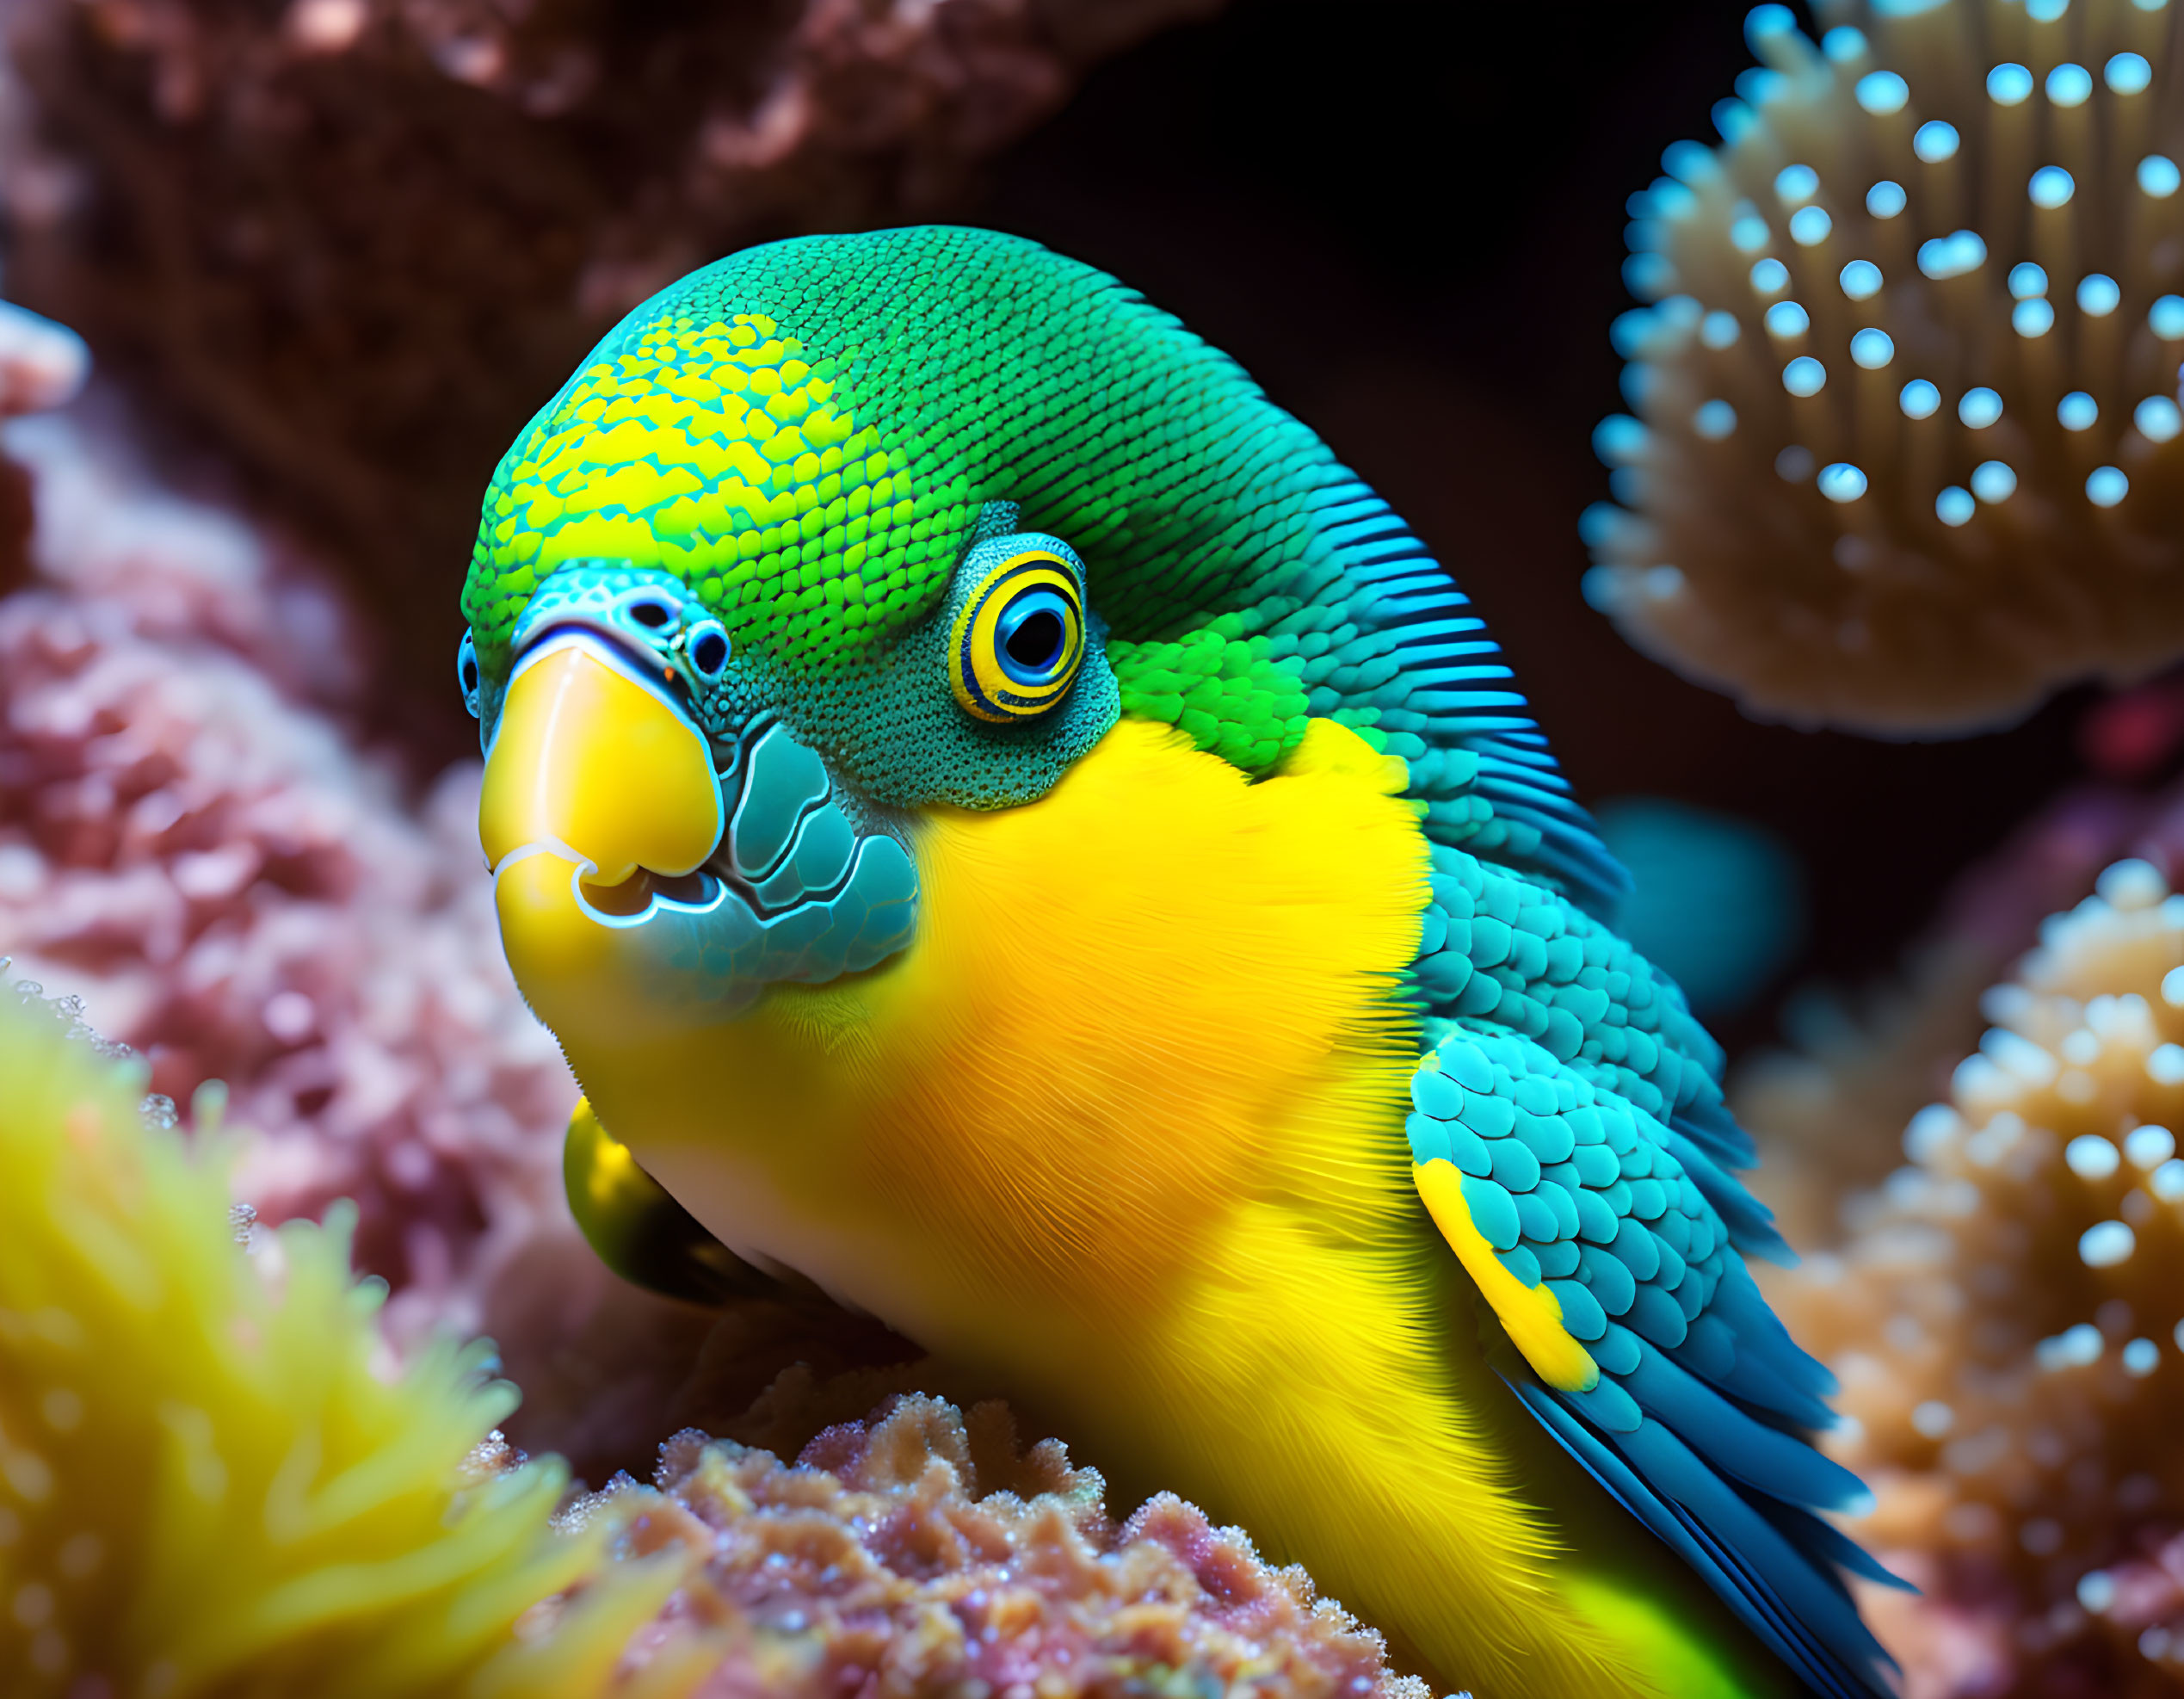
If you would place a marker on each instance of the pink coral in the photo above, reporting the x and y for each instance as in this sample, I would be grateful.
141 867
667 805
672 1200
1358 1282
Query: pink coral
917 1552
190 838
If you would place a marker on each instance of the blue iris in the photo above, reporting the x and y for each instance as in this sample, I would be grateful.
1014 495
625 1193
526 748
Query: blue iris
1032 636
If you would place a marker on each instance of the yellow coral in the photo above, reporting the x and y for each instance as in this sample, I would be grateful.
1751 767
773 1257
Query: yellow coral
211 1481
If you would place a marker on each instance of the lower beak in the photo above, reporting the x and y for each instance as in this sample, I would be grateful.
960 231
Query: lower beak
592 764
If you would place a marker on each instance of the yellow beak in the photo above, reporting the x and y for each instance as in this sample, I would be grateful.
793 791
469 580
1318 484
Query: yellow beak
591 764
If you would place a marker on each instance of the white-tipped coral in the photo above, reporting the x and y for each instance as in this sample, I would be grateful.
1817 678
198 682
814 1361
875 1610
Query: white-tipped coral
1907 447
2006 1318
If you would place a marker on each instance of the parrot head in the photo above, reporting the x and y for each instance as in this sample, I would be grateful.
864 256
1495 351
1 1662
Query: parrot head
676 822
841 563
831 534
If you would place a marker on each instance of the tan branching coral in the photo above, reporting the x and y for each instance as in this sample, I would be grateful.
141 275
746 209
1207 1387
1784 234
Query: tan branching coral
1829 1111
1907 449
2008 1320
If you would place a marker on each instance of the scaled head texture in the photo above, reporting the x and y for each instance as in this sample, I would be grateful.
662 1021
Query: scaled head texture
1904 441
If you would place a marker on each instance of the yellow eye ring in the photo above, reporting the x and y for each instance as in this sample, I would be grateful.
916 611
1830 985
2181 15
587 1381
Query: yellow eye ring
1017 643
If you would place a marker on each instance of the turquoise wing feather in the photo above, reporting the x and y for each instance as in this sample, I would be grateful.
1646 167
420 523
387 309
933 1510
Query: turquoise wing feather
1507 952
1579 1102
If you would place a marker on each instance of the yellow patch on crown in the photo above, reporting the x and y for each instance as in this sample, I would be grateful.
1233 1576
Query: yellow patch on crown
715 451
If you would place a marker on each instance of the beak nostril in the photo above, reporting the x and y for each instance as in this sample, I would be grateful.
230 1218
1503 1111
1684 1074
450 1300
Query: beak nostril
650 614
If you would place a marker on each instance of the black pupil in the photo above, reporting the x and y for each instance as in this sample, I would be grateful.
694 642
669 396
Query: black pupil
649 614
1037 641
709 652
469 674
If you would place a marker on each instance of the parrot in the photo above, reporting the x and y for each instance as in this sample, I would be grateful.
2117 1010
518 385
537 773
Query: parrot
1013 835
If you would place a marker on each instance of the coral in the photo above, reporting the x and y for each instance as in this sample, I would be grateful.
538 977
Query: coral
2006 1318
209 1480
919 1552
1829 1113
212 1482
356 242
1907 447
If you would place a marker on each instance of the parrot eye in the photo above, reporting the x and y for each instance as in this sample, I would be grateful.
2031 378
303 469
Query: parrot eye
707 648
466 672
1019 640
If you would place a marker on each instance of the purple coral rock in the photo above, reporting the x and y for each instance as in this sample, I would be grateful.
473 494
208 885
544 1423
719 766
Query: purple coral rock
920 1551
192 838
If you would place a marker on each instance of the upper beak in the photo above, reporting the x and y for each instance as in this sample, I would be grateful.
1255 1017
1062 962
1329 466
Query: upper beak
591 762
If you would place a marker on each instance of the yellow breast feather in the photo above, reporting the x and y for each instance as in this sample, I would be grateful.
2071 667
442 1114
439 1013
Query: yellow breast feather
1071 1138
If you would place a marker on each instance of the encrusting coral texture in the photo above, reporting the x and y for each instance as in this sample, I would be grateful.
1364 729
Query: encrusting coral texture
213 1481
1906 445
355 242
919 1553
2006 1318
